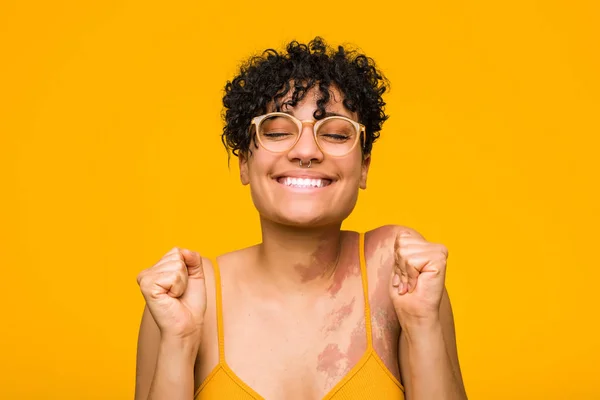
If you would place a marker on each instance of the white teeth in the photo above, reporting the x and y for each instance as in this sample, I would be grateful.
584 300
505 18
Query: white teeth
303 183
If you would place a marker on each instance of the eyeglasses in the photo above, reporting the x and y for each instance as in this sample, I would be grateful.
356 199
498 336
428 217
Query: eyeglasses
336 136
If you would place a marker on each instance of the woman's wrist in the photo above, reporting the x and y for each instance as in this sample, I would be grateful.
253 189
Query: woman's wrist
429 365
174 374
420 325
183 349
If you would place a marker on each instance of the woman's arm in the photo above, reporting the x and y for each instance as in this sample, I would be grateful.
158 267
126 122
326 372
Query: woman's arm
164 368
429 358
171 327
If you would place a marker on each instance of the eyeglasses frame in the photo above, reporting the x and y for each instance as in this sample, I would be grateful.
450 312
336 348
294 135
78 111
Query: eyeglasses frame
360 129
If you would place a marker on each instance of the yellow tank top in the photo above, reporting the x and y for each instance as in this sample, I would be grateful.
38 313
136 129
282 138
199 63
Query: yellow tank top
369 379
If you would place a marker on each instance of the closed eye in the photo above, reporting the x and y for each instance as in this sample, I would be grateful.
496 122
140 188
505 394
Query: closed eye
276 135
335 137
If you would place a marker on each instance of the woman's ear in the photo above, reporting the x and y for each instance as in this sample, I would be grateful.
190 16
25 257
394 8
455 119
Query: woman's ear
243 160
364 171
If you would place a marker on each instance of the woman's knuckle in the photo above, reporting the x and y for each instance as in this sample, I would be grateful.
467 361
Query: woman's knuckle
180 265
140 276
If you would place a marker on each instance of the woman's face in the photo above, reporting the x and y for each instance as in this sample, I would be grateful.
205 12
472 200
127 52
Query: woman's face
279 201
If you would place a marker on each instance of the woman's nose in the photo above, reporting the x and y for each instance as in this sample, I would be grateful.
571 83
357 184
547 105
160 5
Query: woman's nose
306 148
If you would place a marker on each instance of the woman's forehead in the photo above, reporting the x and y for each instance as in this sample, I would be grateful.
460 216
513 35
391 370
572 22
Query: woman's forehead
335 105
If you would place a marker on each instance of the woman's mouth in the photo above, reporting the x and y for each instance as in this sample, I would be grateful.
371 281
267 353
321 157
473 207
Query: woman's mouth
303 183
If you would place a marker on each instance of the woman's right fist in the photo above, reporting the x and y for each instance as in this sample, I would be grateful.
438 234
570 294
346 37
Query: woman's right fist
175 293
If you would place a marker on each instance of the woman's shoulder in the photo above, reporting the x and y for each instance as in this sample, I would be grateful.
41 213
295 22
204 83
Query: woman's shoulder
234 256
379 248
225 261
213 265
385 235
208 355
385 232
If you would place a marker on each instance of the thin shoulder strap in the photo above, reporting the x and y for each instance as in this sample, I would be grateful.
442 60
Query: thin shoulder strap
363 272
219 302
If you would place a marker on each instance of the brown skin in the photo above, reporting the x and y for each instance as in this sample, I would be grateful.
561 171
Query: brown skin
293 305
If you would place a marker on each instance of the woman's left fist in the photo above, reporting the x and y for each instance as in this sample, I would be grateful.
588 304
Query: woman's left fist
418 276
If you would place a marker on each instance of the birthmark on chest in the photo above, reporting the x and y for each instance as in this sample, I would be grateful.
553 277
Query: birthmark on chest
340 276
317 266
337 317
358 342
335 363
308 273
332 363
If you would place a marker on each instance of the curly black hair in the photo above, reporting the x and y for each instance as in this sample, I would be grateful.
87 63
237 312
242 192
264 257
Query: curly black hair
268 78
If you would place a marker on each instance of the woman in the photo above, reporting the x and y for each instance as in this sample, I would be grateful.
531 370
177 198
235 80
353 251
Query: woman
312 312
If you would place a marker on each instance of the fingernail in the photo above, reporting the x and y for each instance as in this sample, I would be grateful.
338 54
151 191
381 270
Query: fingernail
401 288
396 280
408 287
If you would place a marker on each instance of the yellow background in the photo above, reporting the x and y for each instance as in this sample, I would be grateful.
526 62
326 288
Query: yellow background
111 155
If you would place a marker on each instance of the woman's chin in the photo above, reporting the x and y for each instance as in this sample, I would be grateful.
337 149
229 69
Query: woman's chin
304 214
307 219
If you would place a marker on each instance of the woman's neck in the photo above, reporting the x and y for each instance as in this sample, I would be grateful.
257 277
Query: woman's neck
298 259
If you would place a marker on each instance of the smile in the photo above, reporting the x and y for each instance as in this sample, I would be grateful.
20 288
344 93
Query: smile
307 183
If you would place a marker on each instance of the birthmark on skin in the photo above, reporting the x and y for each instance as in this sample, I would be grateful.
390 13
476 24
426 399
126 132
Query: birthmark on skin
335 364
316 267
358 342
343 272
384 321
307 273
336 317
332 363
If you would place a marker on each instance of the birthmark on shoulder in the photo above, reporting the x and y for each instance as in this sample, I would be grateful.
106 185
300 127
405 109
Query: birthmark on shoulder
336 317
385 325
